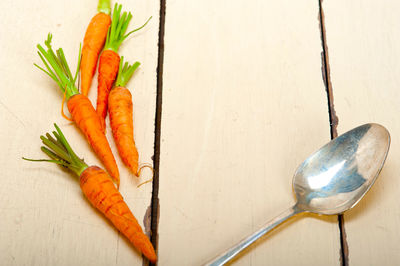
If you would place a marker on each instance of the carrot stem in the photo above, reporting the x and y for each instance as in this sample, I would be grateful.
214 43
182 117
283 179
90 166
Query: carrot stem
79 63
55 141
51 154
43 160
57 67
64 65
49 72
55 148
104 7
119 24
141 27
60 152
125 72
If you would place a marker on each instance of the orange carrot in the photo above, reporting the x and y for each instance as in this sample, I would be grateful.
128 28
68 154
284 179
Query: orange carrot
97 186
93 42
121 117
109 58
79 105
86 118
101 192
108 69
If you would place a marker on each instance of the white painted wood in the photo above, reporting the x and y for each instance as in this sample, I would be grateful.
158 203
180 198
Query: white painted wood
243 105
364 48
44 217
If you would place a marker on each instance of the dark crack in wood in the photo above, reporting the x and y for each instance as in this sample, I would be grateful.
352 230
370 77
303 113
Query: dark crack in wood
155 204
333 121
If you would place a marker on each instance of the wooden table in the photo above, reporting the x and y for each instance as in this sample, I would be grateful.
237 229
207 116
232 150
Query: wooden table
231 96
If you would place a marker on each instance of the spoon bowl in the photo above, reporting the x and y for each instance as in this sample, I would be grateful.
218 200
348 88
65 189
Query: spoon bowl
337 176
330 181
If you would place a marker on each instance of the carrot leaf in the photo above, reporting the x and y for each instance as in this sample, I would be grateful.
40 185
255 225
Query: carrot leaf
57 150
125 72
49 74
60 152
55 141
79 63
45 160
137 29
52 155
119 25
57 67
63 63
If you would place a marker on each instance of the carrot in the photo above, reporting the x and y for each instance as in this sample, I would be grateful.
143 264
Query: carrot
93 42
109 58
121 117
79 105
98 188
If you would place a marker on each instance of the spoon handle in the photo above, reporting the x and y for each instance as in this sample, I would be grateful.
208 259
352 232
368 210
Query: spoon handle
236 249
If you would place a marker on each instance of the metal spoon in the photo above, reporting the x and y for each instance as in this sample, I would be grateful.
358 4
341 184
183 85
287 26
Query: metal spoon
330 181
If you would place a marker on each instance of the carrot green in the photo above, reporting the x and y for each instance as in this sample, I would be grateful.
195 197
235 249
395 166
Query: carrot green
57 67
104 6
119 24
125 72
60 152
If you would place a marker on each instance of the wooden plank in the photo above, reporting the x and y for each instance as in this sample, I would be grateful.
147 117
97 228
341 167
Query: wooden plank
243 104
363 41
45 219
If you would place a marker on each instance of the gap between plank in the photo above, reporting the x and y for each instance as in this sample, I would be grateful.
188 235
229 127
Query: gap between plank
333 121
155 205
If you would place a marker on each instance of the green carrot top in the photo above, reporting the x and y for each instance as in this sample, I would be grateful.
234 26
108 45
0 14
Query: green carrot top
104 7
119 25
60 152
57 67
125 72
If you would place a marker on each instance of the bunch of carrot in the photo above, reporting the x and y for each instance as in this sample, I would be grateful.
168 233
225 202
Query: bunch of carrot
103 37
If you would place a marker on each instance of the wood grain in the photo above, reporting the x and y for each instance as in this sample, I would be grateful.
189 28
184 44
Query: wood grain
243 104
45 219
364 39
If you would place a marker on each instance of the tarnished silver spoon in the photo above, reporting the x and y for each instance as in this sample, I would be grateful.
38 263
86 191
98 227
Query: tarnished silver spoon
330 181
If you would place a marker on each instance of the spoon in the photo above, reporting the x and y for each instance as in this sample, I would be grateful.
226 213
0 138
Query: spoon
330 181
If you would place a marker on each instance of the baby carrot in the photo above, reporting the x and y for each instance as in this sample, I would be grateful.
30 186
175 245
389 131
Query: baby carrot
79 105
121 116
93 42
109 58
97 186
